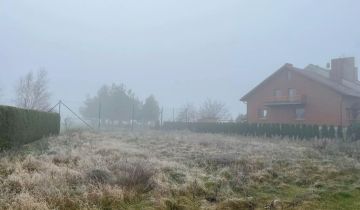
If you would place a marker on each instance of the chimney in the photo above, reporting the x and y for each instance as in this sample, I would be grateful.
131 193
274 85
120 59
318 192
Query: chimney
343 68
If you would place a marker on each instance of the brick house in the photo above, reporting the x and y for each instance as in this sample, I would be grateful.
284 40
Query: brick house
312 95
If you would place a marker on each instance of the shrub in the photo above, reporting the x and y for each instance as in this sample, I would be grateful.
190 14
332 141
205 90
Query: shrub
284 130
308 132
331 133
276 130
339 132
21 126
316 131
135 176
299 132
353 132
324 131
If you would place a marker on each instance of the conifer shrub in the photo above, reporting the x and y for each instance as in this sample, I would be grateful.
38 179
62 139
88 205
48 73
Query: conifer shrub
305 131
284 130
268 130
312 131
353 132
331 132
275 130
298 132
292 131
340 132
324 131
316 131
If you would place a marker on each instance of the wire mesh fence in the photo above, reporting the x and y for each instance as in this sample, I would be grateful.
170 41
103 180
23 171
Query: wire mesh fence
72 118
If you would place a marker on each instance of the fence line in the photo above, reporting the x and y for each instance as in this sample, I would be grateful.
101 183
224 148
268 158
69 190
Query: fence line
74 113
298 131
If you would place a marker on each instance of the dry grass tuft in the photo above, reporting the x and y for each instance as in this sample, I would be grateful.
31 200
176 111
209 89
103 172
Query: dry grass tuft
98 176
136 176
30 164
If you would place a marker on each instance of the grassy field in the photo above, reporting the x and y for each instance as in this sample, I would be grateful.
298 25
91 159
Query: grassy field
179 170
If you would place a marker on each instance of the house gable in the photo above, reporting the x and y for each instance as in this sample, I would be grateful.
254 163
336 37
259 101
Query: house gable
267 80
322 104
323 96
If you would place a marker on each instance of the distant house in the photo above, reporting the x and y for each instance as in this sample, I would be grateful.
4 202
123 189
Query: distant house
312 95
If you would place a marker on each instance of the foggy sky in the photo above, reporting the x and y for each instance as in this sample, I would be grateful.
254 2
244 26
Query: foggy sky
179 50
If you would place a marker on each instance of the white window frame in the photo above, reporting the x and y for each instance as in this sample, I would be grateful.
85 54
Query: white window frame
263 114
302 117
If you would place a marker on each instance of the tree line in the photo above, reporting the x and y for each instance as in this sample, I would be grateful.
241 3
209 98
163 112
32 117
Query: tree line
116 103
113 103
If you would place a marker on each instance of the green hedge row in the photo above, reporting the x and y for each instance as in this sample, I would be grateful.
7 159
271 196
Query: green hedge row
21 126
299 131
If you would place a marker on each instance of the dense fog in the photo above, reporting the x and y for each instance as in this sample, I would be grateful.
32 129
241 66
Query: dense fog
182 52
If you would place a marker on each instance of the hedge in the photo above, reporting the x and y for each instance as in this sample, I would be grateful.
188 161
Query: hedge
295 131
21 126
353 132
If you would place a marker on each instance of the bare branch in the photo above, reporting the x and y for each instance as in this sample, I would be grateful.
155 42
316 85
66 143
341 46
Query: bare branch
188 113
212 110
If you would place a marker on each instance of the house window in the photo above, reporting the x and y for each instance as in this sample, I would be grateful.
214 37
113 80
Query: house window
289 75
300 113
263 114
292 94
277 93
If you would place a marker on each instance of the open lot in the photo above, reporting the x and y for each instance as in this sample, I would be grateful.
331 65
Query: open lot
179 170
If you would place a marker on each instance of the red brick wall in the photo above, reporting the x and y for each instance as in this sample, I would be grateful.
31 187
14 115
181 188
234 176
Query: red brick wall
347 103
323 105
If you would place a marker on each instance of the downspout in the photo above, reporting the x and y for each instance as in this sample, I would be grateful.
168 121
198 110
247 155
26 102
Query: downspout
341 111
247 116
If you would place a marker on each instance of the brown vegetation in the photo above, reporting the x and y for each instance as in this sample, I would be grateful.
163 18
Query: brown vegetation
179 170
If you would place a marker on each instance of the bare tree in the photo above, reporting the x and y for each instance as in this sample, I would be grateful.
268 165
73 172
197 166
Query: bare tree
188 113
32 91
213 111
241 118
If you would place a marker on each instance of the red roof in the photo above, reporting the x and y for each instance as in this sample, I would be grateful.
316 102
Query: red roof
344 87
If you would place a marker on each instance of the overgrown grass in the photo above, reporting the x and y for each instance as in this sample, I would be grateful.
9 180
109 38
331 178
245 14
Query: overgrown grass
179 170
